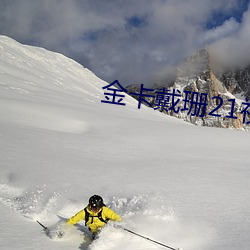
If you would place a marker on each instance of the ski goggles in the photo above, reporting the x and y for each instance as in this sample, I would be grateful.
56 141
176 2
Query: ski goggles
94 208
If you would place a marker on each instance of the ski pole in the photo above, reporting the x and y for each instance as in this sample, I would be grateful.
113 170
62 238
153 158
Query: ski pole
146 238
45 228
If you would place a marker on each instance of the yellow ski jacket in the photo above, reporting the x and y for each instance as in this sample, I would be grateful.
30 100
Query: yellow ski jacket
94 223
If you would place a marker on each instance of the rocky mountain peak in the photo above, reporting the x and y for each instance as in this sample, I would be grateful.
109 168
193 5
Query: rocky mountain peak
196 71
197 64
199 73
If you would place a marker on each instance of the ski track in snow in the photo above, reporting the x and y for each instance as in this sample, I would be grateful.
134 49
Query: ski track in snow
145 214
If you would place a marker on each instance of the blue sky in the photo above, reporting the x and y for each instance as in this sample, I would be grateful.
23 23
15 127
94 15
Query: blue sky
134 41
218 17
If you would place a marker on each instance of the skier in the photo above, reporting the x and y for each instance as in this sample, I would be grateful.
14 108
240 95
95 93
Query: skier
95 214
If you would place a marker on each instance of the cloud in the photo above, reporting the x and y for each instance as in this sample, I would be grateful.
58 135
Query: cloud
228 28
233 49
133 41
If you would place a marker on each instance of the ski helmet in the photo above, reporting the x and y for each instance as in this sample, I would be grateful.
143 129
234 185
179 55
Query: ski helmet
95 202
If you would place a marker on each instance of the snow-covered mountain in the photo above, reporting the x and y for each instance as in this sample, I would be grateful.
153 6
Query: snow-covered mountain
182 185
200 74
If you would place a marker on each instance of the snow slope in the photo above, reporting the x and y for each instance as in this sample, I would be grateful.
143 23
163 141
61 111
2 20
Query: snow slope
179 184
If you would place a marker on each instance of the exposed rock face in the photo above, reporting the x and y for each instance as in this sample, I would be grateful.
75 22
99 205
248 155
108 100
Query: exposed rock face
221 89
237 81
196 74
